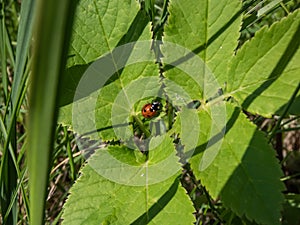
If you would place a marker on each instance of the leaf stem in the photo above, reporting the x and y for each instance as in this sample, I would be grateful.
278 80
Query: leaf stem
141 126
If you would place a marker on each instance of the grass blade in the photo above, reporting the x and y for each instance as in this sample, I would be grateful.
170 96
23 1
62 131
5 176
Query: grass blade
52 34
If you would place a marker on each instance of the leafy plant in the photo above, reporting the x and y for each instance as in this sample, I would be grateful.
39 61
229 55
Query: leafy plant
134 178
225 74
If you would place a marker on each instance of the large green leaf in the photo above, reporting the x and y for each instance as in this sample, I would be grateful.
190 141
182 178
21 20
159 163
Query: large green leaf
210 30
118 188
265 72
262 76
99 28
115 83
243 170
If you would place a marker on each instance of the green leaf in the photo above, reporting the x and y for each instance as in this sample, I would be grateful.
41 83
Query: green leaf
265 72
115 188
187 125
106 25
108 87
54 20
108 112
209 29
243 171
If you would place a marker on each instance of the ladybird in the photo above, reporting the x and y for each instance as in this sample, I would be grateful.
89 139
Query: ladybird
151 109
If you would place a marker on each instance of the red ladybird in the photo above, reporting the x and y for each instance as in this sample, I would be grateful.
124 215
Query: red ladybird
150 110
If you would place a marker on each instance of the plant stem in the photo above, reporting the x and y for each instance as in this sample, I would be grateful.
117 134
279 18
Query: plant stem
141 126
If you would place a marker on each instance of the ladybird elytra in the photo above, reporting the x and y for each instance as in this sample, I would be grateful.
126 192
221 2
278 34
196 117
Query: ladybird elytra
151 109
